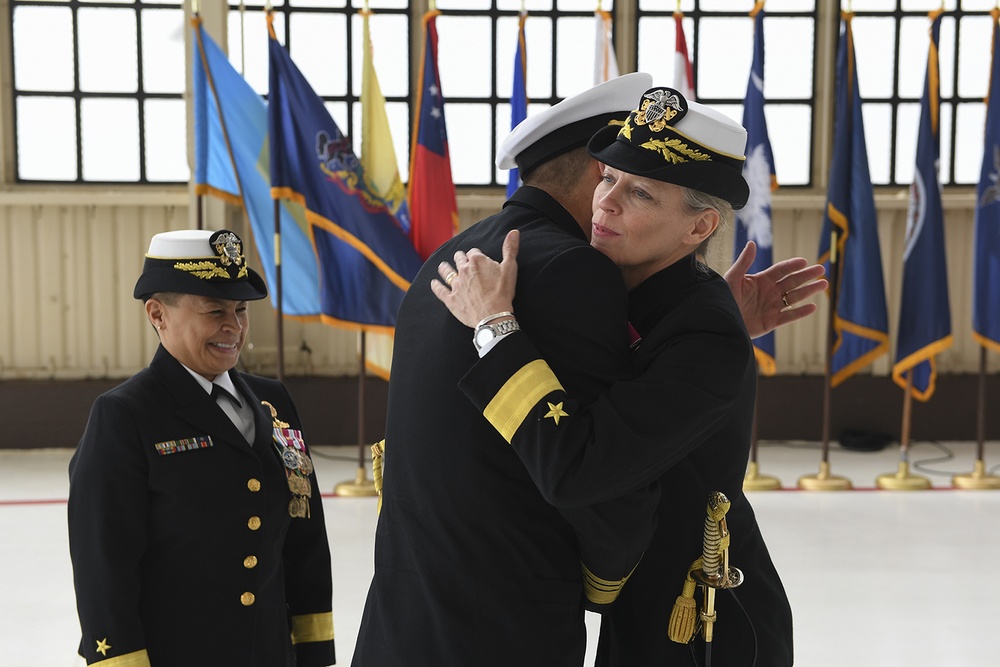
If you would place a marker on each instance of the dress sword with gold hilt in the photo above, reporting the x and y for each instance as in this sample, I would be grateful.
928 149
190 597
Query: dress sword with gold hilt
711 572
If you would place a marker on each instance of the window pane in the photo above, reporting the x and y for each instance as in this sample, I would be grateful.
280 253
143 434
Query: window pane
945 131
974 56
464 4
43 44
529 5
538 42
717 68
914 39
787 74
907 120
874 50
163 50
878 120
311 38
470 143
110 139
390 40
248 45
970 123
334 4
46 138
108 65
166 141
790 131
656 47
576 39
584 5
465 57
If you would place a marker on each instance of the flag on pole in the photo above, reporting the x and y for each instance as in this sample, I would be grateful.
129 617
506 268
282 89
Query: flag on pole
366 260
924 313
378 156
519 96
986 259
378 162
231 162
605 61
433 206
861 330
753 221
683 71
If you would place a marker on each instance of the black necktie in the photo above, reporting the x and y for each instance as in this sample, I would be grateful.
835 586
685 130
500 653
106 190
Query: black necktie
218 391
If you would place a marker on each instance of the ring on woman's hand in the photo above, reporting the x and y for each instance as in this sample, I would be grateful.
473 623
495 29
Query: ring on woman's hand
784 298
451 276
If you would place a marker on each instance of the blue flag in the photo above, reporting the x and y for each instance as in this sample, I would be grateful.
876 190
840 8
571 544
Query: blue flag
519 96
753 222
366 260
986 259
855 263
924 313
230 129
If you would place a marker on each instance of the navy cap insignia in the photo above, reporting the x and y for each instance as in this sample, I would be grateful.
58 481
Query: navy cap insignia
659 107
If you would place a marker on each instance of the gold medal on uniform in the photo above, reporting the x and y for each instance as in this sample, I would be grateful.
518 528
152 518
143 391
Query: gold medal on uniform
298 507
299 486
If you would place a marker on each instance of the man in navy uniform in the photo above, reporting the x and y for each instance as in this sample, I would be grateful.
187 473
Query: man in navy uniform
196 525
472 565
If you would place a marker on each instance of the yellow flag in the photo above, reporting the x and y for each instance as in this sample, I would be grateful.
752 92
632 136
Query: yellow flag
378 160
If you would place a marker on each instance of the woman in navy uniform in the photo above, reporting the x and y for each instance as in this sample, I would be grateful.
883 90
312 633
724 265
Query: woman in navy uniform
671 175
195 521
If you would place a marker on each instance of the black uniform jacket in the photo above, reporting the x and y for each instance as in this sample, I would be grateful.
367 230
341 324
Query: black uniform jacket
686 420
472 565
184 552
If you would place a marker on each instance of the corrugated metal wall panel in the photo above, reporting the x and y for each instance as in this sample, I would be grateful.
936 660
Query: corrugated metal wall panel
68 270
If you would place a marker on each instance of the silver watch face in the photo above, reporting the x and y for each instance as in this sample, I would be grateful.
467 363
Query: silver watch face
484 335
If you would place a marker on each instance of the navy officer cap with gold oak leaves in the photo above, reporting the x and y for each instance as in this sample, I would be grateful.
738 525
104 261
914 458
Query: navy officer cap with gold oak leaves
199 262
685 143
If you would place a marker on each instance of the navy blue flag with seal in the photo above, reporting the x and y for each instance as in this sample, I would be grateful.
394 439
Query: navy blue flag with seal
986 260
924 312
366 260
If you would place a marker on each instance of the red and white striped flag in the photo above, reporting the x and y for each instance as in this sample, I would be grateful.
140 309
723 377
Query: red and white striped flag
683 72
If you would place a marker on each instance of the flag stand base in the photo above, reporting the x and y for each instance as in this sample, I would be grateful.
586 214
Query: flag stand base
902 480
977 479
360 486
754 481
824 481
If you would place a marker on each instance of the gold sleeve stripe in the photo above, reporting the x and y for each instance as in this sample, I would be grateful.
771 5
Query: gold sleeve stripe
519 395
133 659
312 628
602 591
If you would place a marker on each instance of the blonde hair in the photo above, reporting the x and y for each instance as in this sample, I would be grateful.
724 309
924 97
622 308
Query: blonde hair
696 201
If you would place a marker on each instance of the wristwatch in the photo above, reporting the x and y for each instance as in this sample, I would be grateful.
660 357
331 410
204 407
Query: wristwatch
486 332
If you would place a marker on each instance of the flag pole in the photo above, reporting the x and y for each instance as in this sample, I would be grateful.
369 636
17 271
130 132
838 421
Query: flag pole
278 298
753 480
360 485
823 480
979 479
903 479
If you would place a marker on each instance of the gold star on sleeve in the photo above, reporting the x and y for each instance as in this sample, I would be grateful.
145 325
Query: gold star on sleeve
555 411
103 646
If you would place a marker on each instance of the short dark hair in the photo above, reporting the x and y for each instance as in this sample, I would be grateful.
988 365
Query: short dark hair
561 173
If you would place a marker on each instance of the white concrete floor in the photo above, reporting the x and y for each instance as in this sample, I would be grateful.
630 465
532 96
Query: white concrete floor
876 578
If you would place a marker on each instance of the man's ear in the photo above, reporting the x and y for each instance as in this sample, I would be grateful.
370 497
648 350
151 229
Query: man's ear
154 312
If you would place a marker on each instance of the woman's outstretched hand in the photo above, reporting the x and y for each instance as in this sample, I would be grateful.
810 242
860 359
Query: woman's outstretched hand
477 286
